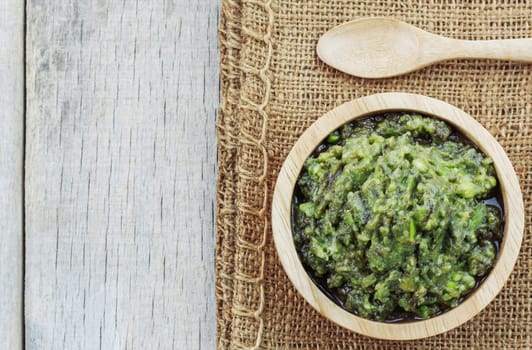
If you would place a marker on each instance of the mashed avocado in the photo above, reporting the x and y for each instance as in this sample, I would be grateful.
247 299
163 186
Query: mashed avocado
390 213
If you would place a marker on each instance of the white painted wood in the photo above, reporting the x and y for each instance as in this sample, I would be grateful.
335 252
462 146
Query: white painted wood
120 187
11 171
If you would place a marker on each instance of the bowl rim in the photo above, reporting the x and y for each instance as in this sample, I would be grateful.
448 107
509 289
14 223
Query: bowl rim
381 103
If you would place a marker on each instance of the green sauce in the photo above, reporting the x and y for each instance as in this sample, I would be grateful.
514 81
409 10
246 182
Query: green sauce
396 218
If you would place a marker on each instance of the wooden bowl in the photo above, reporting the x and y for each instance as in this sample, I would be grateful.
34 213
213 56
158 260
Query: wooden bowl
375 104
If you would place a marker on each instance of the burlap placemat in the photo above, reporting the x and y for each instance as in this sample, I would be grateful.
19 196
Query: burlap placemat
274 86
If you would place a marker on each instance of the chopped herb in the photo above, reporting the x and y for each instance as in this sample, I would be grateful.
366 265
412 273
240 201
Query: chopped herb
392 216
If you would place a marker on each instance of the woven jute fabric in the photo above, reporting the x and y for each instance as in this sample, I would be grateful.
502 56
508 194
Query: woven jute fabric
274 86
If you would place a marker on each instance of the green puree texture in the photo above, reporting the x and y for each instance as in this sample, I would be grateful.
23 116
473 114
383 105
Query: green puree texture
392 216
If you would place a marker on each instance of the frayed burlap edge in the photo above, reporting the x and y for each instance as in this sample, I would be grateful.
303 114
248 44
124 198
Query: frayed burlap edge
229 242
230 45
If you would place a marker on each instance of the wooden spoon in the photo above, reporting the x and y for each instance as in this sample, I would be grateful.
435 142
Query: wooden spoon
385 47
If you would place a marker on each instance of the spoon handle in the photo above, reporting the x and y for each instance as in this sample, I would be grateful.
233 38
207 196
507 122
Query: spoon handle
508 49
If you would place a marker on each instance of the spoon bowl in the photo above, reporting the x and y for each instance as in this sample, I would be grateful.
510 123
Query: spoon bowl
385 47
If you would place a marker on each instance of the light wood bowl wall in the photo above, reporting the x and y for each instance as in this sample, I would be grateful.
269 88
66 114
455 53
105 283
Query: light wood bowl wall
374 104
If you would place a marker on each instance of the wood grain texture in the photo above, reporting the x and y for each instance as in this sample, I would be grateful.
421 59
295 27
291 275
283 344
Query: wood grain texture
122 99
386 47
469 127
11 171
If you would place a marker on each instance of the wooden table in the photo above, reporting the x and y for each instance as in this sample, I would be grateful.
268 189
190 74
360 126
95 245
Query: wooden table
107 173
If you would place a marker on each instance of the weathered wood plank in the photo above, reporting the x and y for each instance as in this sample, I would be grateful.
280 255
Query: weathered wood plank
11 171
122 98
